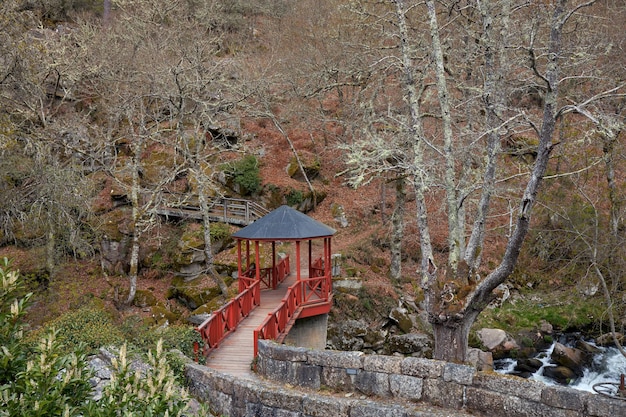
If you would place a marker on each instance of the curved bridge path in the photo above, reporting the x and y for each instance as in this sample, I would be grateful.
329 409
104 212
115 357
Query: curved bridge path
236 352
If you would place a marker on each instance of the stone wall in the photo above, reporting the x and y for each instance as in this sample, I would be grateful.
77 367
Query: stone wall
236 397
420 380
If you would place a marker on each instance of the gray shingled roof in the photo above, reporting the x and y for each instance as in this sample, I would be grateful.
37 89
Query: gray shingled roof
284 223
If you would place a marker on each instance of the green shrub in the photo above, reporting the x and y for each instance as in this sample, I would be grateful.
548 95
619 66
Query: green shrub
132 394
294 197
245 173
44 380
220 231
89 326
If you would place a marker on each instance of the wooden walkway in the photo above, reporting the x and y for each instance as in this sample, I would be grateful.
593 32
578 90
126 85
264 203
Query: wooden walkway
234 355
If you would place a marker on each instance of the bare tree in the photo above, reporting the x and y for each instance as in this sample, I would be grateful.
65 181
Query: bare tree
460 106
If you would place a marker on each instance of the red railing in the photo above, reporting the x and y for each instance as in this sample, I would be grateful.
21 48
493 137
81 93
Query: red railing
225 320
313 290
272 277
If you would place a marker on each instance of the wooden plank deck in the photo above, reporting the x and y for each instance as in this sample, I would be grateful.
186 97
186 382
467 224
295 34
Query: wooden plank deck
234 355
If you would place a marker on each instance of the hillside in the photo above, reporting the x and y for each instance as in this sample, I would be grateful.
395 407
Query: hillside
104 119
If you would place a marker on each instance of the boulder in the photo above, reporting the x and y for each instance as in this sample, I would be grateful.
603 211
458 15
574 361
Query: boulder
570 358
527 367
410 344
496 340
607 339
560 374
400 316
144 298
482 361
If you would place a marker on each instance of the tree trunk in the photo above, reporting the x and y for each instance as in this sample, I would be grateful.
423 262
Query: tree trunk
451 339
397 221
208 251
455 229
135 227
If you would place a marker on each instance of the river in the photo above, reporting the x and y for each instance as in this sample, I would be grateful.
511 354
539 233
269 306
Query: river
606 366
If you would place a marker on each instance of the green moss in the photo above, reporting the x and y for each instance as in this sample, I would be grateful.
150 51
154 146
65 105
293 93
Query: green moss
563 313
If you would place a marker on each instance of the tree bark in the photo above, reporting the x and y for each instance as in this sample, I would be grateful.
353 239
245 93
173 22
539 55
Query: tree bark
397 221
208 251
455 229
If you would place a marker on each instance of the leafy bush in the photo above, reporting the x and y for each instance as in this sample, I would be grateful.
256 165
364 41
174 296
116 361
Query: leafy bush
132 393
39 380
89 326
13 305
245 173
294 197
44 380
50 384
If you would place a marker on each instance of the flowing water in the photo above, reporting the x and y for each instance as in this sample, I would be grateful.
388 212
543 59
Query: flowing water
606 366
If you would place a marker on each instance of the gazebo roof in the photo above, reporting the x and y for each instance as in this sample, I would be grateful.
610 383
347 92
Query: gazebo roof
284 223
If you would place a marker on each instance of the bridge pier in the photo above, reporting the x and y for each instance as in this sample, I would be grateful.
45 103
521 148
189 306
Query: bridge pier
309 332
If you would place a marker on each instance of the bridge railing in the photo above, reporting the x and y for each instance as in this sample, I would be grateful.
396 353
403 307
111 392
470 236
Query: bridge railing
270 277
227 210
308 291
226 319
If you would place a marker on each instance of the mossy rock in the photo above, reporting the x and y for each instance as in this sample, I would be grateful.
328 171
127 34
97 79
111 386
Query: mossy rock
144 298
154 163
190 293
210 307
309 199
311 165
115 224
161 314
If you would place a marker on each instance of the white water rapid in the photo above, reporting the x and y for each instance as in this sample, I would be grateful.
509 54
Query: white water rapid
606 366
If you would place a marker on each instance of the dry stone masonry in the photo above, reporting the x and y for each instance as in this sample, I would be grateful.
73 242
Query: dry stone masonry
442 384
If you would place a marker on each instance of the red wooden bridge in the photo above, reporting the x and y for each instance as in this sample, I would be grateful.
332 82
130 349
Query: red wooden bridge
271 298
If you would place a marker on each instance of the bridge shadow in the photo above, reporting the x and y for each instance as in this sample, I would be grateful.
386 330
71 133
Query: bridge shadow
236 352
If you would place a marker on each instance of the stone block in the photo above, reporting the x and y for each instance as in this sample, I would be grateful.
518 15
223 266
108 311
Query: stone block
290 353
496 404
264 411
372 409
380 363
319 406
308 376
337 379
423 368
336 359
280 398
286 413
598 405
461 374
510 385
222 403
245 393
373 383
443 394
562 397
406 387
279 371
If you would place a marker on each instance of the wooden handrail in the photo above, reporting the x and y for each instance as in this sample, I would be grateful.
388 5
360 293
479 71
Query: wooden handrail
226 319
227 210
307 291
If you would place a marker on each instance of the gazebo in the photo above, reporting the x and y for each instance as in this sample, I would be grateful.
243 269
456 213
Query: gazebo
284 224
308 297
